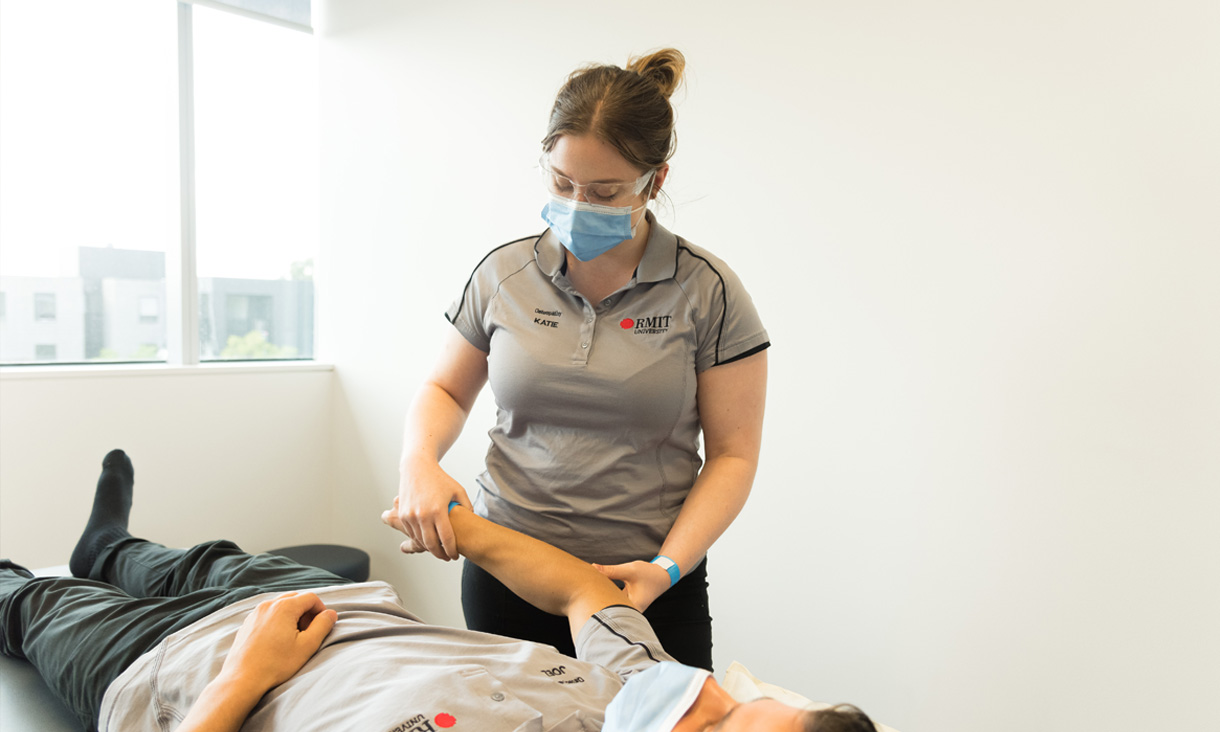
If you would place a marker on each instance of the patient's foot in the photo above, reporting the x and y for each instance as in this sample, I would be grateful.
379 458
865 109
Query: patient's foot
111 510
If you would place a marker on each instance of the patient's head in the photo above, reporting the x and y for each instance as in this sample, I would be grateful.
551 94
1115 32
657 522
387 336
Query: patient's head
841 718
716 711
671 697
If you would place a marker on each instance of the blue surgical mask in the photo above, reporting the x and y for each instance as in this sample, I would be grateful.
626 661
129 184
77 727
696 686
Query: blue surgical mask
588 230
654 700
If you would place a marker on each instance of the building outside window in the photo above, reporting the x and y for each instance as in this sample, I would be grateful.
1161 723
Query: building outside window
44 306
150 309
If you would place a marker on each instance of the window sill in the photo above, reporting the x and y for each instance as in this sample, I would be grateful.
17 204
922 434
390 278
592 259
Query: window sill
93 371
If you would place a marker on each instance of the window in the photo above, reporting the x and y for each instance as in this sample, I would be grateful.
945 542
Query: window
44 306
119 213
150 309
88 170
257 194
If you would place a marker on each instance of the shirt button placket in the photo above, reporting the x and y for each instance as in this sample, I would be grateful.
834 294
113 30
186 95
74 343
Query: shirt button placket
586 333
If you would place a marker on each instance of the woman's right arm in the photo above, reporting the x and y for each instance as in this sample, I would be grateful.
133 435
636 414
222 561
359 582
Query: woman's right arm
434 420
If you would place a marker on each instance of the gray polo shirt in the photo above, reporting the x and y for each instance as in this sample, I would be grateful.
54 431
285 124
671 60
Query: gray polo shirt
596 441
381 669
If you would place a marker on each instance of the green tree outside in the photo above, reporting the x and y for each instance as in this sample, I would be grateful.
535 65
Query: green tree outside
254 345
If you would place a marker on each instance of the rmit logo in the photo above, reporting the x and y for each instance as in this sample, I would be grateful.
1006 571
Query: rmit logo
420 723
650 324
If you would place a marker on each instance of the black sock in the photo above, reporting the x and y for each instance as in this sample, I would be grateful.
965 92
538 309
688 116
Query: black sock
111 509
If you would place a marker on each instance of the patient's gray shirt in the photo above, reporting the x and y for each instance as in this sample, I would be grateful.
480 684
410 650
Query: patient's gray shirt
382 669
596 441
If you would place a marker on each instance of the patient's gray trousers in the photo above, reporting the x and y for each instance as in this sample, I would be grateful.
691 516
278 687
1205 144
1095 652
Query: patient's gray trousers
82 633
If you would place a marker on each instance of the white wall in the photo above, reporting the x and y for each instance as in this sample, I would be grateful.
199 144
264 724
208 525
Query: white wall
240 453
983 238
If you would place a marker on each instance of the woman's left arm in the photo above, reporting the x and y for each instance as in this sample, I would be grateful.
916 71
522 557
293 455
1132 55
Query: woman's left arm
731 401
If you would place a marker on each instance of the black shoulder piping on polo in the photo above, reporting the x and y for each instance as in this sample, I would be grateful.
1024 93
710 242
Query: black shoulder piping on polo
747 354
620 635
476 269
724 293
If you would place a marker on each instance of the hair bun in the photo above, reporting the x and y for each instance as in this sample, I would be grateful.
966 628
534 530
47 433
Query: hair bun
664 67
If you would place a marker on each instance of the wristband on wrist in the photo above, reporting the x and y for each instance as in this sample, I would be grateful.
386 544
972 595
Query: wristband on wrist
452 504
669 566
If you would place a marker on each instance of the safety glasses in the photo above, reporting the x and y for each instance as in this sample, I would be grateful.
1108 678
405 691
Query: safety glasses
606 193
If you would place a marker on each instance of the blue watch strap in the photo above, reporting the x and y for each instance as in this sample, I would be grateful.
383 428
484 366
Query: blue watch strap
669 566
452 504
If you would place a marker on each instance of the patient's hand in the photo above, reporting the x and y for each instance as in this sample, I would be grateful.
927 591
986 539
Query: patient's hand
390 518
277 638
643 582
274 642
393 518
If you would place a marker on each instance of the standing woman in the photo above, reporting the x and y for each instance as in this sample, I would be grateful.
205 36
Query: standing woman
610 344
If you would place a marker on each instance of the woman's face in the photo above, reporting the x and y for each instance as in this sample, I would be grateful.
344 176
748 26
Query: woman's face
586 169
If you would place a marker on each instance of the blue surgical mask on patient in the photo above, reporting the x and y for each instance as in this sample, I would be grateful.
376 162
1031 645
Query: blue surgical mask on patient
654 700
588 230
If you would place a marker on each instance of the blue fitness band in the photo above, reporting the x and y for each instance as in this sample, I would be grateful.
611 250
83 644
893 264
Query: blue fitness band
669 566
452 504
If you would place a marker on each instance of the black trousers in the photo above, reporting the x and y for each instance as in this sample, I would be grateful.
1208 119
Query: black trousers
680 616
82 633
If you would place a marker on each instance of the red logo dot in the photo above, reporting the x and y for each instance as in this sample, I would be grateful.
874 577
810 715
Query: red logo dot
626 323
445 720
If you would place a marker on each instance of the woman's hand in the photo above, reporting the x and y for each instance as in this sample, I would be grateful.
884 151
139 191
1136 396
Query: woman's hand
643 582
421 510
434 421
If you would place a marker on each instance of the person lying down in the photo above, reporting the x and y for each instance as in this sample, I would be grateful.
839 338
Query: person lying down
208 639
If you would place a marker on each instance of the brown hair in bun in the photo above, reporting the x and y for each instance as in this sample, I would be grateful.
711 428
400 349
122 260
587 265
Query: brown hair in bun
626 108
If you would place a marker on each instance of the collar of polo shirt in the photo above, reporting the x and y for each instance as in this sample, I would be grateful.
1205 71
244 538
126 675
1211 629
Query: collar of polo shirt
660 260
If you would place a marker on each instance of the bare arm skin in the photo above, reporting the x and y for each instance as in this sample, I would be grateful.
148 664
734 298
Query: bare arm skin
548 578
435 419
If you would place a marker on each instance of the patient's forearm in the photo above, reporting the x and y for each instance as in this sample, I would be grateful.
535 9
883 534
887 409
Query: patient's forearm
544 576
222 707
